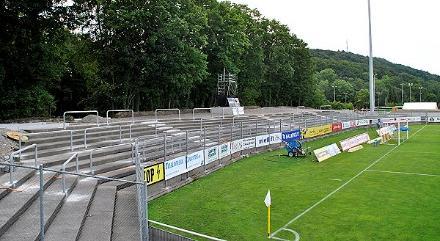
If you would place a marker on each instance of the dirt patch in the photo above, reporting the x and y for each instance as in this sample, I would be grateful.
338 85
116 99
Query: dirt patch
6 145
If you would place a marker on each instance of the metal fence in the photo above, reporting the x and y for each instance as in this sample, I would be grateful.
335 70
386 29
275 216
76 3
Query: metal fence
50 204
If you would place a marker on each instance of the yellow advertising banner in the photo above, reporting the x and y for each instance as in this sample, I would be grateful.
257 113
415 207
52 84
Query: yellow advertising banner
317 131
153 174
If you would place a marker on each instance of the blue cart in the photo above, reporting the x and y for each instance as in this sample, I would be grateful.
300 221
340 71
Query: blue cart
294 149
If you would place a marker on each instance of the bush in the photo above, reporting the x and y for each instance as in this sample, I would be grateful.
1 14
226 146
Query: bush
33 101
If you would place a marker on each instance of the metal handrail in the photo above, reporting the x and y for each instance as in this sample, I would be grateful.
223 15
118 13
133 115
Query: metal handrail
78 112
194 110
63 168
92 171
11 160
157 110
123 110
103 127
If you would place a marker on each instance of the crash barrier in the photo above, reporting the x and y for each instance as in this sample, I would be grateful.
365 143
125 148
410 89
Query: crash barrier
174 110
124 110
80 112
196 109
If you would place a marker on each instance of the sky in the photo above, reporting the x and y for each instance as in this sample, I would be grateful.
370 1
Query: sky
404 31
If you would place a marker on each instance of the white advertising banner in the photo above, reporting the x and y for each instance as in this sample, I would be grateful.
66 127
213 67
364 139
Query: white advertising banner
326 152
345 125
262 140
224 150
236 146
410 119
194 160
354 141
434 119
211 154
175 167
275 138
364 122
248 143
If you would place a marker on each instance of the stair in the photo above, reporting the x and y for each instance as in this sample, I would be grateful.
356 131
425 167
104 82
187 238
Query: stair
68 223
27 225
98 222
125 222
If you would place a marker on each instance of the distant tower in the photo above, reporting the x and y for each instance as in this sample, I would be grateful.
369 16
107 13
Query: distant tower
226 87
346 42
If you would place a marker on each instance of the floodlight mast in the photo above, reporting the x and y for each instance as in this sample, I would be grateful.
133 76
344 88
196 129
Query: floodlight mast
370 66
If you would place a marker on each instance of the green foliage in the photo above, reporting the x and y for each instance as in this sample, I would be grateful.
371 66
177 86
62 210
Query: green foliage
353 68
149 54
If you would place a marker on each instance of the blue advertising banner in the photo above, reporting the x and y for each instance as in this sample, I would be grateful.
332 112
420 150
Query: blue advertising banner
291 135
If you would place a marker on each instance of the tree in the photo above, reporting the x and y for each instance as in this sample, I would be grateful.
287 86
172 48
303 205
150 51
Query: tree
362 99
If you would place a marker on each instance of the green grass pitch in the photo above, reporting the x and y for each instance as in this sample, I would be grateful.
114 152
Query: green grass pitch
391 200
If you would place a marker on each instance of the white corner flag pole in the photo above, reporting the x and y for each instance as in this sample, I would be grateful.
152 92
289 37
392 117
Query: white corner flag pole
268 202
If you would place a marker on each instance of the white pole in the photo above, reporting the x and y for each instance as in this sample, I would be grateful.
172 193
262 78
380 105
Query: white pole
407 131
398 135
370 66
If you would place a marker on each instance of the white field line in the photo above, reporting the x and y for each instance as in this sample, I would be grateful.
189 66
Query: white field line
406 173
186 231
340 187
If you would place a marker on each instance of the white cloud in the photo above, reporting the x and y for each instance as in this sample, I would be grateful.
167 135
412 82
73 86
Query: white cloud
404 31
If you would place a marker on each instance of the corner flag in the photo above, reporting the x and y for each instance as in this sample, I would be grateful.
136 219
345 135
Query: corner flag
268 202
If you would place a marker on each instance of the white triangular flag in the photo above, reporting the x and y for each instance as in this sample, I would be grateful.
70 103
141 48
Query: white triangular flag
267 200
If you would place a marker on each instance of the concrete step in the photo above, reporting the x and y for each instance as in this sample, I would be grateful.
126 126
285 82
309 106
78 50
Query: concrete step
20 176
98 222
113 166
16 202
27 227
83 155
119 173
122 185
68 223
125 219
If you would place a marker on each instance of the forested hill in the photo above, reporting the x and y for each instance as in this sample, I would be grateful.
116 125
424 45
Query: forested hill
350 65
349 73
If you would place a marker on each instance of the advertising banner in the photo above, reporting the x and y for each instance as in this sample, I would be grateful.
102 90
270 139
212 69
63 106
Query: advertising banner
409 119
336 126
236 146
354 141
326 152
248 143
224 150
317 131
275 138
352 124
153 174
211 154
291 135
194 160
175 167
345 125
364 122
262 140
434 119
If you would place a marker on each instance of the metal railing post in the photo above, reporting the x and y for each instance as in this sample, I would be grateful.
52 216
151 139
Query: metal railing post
281 123
142 199
165 151
120 134
91 163
204 148
71 140
35 154
41 194
77 164
241 136
11 170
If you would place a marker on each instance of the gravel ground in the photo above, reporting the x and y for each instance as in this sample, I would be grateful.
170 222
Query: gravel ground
6 145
